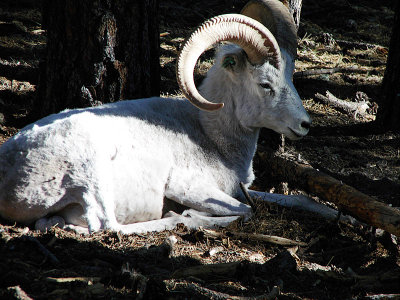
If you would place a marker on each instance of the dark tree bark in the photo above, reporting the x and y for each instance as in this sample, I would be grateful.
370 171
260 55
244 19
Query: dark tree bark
389 112
97 52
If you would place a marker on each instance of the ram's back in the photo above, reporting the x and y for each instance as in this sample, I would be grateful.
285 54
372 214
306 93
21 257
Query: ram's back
120 149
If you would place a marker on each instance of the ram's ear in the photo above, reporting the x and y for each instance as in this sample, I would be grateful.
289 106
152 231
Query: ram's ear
233 61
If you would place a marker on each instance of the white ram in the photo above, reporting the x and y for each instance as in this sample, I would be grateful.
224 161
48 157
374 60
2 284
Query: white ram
114 166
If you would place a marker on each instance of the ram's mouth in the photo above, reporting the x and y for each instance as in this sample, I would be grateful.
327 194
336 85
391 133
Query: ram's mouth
297 135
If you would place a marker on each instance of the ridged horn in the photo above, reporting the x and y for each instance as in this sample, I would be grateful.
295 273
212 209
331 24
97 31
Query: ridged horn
256 40
276 17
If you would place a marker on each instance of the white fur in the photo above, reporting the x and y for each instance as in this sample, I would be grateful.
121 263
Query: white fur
111 167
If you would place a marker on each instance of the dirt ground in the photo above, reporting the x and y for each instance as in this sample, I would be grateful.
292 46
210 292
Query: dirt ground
326 260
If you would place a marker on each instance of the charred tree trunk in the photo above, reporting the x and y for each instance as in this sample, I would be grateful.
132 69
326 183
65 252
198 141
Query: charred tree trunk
389 112
98 52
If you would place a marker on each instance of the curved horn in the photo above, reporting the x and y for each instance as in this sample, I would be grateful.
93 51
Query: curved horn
256 40
276 17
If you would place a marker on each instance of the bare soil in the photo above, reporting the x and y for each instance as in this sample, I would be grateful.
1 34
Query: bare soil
335 261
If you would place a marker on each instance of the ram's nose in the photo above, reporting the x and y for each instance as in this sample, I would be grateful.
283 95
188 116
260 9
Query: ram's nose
306 124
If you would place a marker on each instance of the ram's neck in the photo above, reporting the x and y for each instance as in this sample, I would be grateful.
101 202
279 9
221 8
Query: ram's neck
234 141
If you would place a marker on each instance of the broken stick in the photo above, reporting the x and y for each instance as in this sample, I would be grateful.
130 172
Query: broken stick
247 196
277 240
348 199
351 108
15 292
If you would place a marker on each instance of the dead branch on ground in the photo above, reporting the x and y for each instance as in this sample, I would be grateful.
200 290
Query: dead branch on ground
247 196
354 109
310 72
356 45
254 237
196 290
15 292
348 199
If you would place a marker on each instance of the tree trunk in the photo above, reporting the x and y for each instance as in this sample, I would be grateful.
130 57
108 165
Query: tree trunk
389 112
98 52
294 7
295 10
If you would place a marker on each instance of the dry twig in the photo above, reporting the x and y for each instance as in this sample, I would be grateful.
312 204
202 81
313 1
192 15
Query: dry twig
247 196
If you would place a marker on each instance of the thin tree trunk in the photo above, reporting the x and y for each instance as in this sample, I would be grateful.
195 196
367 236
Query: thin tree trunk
389 112
98 52
294 7
295 10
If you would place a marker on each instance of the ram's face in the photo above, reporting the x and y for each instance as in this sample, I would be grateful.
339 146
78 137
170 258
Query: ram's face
252 78
269 99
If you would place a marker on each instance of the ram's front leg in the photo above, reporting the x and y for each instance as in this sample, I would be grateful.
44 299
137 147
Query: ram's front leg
208 199
209 207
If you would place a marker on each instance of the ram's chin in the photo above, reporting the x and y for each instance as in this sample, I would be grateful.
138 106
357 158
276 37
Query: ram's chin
294 135
288 132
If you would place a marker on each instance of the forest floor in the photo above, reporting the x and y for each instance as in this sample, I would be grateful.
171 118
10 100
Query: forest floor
330 261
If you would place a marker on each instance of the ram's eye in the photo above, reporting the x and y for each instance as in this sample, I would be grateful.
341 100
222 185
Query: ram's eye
267 87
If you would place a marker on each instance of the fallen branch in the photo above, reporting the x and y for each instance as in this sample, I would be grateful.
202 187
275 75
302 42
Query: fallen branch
267 238
15 292
352 108
196 290
301 74
255 237
382 296
87 280
356 45
371 62
348 199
